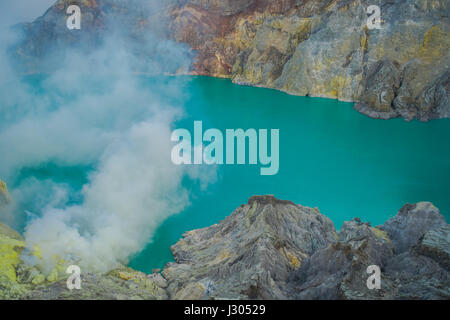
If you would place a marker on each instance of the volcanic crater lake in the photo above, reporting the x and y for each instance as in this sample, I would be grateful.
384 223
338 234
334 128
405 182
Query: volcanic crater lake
331 157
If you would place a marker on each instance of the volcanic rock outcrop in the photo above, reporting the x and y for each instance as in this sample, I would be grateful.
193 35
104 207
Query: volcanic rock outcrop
250 254
266 249
411 249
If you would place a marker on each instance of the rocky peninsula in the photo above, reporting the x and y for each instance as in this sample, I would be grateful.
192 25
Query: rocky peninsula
317 48
266 249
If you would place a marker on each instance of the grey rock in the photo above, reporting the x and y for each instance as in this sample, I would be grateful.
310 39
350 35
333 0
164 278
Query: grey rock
158 280
270 249
434 102
411 223
250 254
339 271
111 286
379 90
417 277
410 93
416 269
435 244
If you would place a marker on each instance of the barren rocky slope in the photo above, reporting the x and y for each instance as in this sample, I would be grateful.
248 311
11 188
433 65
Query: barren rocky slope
320 48
266 249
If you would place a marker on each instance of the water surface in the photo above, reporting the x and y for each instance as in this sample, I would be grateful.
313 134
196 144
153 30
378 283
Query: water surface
331 157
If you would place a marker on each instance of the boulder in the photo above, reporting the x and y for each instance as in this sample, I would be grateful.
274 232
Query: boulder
250 254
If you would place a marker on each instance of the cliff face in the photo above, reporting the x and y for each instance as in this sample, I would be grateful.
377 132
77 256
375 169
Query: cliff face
44 43
267 249
250 254
319 48
324 49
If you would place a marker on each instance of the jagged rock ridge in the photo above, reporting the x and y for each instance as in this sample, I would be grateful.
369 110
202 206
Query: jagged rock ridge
250 254
270 249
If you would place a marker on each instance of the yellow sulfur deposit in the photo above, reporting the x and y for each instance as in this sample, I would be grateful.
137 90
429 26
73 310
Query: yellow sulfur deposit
10 250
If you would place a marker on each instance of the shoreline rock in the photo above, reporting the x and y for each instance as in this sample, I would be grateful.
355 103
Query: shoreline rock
273 249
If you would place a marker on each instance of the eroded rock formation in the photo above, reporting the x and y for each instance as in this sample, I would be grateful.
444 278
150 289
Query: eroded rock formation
409 271
250 254
324 49
266 249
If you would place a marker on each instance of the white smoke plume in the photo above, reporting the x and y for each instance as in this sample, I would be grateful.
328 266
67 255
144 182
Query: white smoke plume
95 112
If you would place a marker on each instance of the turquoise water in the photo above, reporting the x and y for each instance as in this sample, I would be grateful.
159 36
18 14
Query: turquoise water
331 157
